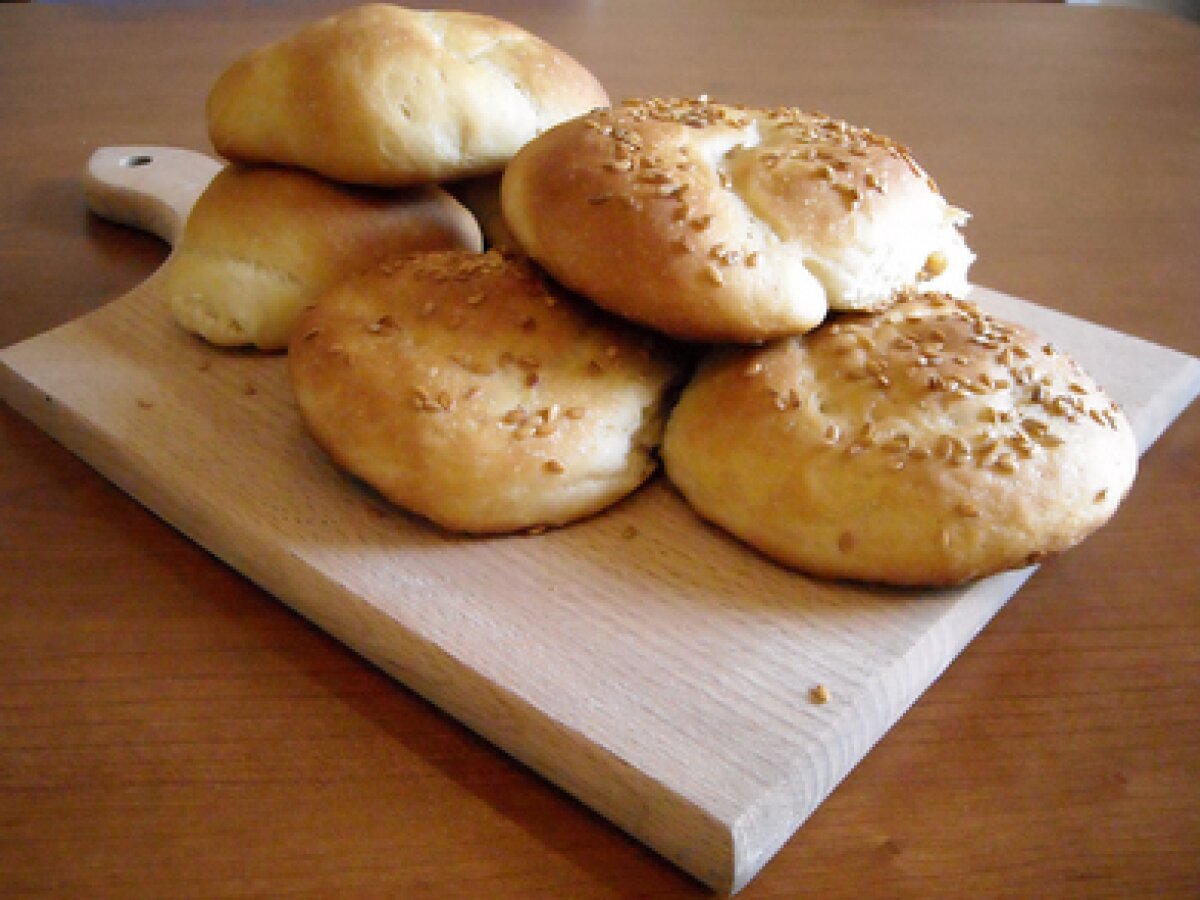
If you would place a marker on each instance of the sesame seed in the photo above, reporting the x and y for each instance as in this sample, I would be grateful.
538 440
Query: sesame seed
935 264
849 194
1020 444
1005 464
653 176
1057 406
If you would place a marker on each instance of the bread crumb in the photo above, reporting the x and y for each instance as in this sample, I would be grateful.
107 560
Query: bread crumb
819 695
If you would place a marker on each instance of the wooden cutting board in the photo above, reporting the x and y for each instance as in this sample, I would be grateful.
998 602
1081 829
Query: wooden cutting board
645 662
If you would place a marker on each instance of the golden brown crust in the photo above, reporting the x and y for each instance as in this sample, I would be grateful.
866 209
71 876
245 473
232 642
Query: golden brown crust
384 95
263 241
723 223
925 445
468 389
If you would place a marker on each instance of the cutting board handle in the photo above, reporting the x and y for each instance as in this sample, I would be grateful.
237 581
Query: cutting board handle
150 188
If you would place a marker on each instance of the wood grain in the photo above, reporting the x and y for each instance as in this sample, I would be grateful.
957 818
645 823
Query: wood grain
645 663
169 729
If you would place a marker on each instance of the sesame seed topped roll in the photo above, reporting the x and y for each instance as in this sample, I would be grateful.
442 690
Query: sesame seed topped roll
721 223
467 388
928 444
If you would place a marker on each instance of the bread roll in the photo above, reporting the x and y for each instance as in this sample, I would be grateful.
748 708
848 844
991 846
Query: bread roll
469 390
720 223
384 95
928 444
263 241
482 197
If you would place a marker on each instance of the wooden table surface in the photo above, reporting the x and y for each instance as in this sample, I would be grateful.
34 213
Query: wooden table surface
169 730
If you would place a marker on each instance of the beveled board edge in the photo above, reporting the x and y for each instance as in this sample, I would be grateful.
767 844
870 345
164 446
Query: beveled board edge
696 841
725 854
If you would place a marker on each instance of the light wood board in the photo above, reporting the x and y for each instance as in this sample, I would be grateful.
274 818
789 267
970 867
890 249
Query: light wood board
643 661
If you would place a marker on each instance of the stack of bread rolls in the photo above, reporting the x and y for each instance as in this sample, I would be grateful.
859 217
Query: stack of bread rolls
773 299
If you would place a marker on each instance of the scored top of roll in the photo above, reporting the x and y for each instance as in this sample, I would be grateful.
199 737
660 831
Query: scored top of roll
716 222
384 95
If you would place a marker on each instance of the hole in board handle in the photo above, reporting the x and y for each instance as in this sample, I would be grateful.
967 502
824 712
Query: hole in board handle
140 159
